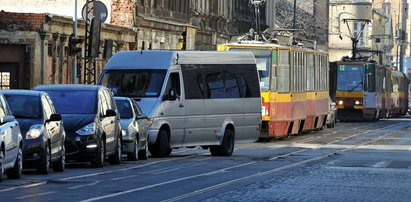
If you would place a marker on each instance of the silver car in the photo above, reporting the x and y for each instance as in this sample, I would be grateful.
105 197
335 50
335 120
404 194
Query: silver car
134 129
11 143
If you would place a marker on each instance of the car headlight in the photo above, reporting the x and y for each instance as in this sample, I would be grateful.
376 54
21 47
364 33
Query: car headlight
357 102
35 131
89 129
340 102
124 132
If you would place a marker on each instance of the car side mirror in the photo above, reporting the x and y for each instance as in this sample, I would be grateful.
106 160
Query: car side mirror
55 117
7 119
110 113
142 116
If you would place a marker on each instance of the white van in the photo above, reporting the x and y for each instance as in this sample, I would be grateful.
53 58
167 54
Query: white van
192 98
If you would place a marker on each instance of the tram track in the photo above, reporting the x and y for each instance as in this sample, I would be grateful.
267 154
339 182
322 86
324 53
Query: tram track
119 170
268 172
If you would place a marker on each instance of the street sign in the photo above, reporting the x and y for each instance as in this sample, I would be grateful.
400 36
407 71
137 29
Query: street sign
100 10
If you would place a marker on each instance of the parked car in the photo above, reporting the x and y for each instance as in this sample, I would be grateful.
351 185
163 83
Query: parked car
41 127
332 115
11 143
134 129
192 98
90 120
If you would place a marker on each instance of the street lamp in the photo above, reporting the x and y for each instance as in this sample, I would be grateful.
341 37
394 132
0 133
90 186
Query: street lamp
257 4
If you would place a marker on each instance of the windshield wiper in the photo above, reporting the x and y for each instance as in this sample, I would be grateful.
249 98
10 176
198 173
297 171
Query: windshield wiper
355 87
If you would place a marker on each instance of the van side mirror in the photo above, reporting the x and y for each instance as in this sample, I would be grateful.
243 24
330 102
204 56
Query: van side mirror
171 95
55 117
110 113
7 119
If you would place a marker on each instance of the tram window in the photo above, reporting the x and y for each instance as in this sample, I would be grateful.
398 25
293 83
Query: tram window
283 71
274 71
310 72
370 78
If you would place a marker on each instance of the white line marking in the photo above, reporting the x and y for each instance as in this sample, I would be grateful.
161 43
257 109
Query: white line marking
24 186
34 195
85 185
172 168
167 182
125 177
381 164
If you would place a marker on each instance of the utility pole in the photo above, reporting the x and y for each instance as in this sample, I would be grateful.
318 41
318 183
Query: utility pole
295 11
403 34
74 78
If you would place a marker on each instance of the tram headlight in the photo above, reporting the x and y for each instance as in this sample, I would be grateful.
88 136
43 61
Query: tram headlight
340 102
357 102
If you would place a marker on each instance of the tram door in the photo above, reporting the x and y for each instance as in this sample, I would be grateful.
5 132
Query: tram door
9 75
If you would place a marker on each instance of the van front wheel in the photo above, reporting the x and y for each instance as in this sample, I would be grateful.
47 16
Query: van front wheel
227 146
162 147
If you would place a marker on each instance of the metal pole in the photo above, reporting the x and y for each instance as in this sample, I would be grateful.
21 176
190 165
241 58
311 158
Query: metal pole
74 59
257 14
403 34
295 10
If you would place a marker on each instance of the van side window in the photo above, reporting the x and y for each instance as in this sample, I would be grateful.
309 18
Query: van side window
215 84
222 85
194 86
174 82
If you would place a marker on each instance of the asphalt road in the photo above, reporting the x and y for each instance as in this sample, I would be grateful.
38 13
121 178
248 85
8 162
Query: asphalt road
368 161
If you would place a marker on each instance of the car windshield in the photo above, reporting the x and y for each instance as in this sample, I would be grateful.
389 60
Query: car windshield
125 109
25 106
74 102
350 77
262 58
134 83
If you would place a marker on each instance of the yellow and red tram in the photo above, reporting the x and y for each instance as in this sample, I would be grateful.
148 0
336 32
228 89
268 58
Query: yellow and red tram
294 86
366 90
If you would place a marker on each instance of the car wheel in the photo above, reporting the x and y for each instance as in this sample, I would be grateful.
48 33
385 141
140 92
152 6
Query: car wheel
143 154
61 163
227 146
1 163
116 157
162 147
15 172
45 161
98 162
134 155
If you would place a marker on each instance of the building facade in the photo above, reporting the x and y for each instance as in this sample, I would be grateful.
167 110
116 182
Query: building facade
34 44
34 48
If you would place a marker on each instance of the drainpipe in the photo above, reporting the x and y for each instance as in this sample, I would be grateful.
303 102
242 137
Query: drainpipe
61 58
42 44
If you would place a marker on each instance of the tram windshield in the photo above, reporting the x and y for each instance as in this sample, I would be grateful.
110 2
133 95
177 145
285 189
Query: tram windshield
350 77
262 57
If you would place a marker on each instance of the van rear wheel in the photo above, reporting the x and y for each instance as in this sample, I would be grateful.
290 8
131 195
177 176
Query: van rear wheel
227 146
162 147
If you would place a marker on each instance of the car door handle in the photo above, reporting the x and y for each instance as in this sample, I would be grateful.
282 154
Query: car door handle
181 105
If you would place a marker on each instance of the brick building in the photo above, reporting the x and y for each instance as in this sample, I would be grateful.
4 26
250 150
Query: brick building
33 48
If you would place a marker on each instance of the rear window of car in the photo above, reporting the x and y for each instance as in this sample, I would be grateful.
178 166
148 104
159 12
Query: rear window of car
74 102
25 106
125 109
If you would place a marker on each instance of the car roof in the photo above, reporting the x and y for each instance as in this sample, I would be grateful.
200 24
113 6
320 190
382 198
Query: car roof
22 92
69 87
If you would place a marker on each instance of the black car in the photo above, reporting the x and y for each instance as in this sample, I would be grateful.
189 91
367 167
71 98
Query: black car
90 120
41 127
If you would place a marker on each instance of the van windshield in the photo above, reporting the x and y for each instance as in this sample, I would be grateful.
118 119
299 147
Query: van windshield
134 83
